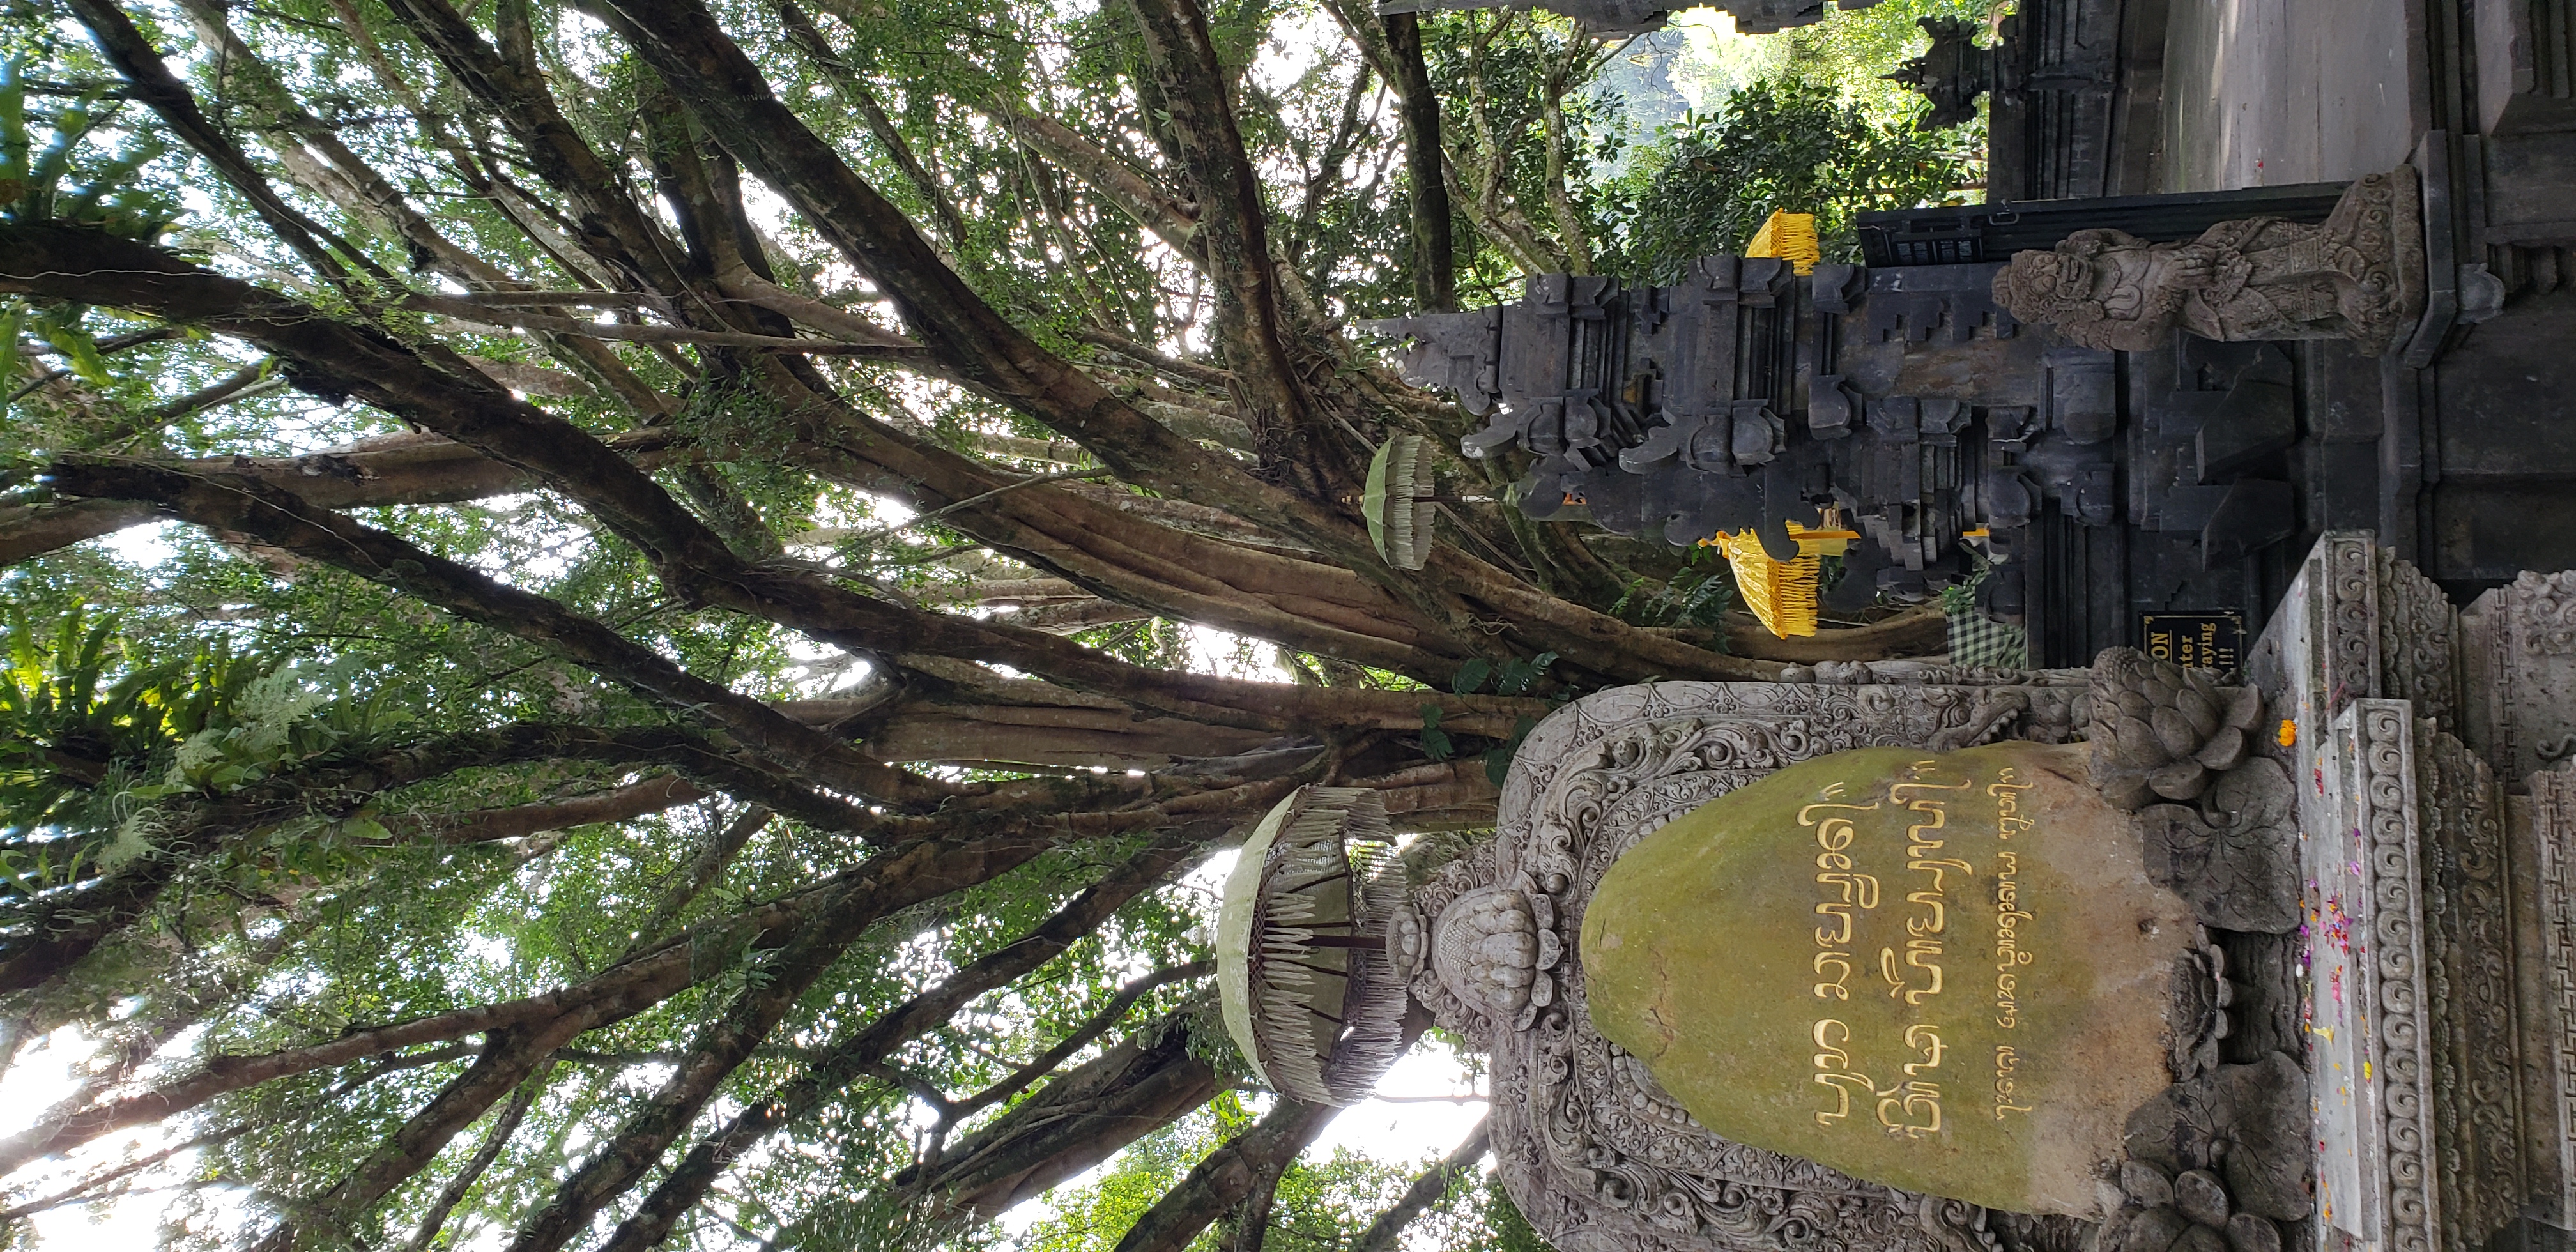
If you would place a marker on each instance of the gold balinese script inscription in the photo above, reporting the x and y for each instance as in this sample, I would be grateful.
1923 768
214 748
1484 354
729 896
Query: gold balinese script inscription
2007 789
1939 879
2007 1065
2010 954
1847 893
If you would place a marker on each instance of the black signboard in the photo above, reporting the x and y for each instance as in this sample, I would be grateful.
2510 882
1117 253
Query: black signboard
2194 640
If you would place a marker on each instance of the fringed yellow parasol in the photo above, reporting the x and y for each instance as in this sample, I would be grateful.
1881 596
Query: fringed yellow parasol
1789 236
1782 595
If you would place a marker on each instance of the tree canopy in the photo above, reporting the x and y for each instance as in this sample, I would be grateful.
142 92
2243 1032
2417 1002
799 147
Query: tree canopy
624 617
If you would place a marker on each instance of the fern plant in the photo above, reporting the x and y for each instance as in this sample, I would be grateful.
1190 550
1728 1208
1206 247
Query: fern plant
95 731
66 179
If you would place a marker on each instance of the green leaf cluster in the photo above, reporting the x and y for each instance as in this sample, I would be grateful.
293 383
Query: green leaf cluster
1788 142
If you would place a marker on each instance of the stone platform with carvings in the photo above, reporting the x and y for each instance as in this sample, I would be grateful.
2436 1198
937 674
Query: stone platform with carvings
2436 815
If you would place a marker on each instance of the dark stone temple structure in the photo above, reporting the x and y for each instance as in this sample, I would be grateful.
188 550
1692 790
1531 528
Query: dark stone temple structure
2169 476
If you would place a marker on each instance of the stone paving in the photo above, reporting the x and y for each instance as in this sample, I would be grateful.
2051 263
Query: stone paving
2268 92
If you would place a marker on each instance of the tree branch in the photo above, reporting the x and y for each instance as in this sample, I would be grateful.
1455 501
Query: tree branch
1073 1123
155 85
810 40
653 795
287 522
1207 375
615 229
1435 282
64 927
854 1055
1226 1176
484 1154
719 83
952 1112
77 1191
1233 229
797 954
703 869
1173 220
1426 1190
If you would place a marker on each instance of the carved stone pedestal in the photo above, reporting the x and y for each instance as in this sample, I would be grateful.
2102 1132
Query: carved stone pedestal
2437 1002
1599 1156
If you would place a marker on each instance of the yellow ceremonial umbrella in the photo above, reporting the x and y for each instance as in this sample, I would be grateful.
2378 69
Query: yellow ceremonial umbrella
1790 237
1782 595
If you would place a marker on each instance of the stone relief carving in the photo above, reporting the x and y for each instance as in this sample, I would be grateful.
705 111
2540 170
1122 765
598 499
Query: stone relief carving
2519 653
2357 276
2545 609
2445 972
2419 640
2230 856
1599 1156
2388 803
2471 980
2554 1025
1493 948
2352 620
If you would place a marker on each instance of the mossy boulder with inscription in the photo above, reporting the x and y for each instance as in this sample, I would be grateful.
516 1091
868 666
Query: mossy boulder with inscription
1947 972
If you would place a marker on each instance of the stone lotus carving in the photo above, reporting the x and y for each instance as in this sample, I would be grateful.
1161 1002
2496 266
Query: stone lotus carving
2243 1130
2357 276
2229 857
1493 948
2163 732
2202 995
2190 1210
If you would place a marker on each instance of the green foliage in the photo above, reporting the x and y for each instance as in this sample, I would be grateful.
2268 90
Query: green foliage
1701 594
65 179
93 730
1514 677
1788 142
1436 743
159 677
1321 1205
1497 1220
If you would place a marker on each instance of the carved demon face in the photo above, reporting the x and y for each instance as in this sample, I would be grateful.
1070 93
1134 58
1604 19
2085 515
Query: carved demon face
2040 286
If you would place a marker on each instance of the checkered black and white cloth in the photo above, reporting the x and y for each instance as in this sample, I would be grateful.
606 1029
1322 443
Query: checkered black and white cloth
1976 639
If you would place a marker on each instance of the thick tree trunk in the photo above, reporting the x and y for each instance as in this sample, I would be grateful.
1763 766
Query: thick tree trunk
1435 281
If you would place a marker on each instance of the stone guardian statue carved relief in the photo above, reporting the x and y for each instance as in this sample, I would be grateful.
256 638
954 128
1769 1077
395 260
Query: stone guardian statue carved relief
2356 276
